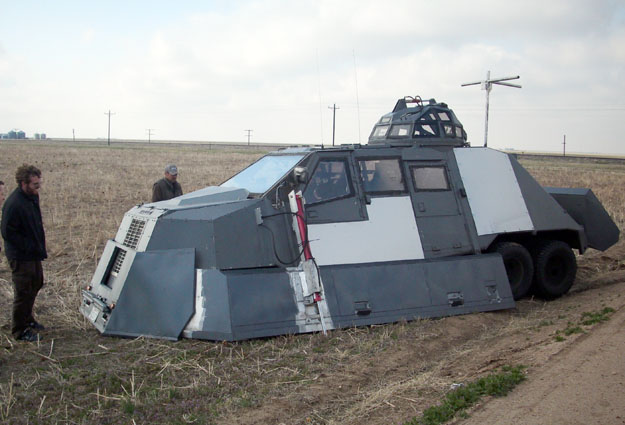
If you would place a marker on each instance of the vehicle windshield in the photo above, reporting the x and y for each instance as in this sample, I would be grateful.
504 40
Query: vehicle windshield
264 173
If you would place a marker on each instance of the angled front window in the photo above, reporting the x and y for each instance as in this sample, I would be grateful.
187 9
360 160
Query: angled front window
329 181
380 131
264 173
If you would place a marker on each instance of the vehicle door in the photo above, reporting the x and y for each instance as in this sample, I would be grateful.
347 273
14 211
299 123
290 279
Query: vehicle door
334 206
330 194
435 193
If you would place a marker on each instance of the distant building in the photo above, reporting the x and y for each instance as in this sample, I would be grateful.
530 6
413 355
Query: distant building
14 134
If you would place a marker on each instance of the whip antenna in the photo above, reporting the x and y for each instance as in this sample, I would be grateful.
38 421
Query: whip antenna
357 100
320 107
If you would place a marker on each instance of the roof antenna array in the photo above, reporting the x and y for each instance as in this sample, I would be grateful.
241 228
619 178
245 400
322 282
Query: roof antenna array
488 86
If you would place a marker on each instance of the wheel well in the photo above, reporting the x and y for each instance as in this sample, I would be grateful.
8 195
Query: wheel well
527 239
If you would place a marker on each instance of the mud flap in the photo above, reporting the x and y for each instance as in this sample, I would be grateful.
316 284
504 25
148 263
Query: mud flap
157 299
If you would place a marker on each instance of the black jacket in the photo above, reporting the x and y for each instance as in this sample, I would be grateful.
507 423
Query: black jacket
22 227
164 189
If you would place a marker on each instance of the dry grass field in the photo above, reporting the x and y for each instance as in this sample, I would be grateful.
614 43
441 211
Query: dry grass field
381 374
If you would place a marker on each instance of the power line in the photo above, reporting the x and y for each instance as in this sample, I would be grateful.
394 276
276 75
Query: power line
150 133
334 108
109 113
488 86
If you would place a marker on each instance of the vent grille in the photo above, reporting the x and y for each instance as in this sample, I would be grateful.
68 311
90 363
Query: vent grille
119 260
133 236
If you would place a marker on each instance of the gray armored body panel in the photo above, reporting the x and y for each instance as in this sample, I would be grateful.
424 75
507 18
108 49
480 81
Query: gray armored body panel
414 224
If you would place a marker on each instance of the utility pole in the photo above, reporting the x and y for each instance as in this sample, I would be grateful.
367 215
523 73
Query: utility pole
488 86
73 135
109 113
150 133
249 132
334 108
564 146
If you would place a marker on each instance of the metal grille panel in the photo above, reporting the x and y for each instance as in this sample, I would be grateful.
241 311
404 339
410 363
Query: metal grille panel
119 260
135 231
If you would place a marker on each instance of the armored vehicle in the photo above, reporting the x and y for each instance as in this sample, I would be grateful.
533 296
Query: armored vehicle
414 224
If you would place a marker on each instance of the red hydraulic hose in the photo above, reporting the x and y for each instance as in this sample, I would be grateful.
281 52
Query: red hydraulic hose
301 225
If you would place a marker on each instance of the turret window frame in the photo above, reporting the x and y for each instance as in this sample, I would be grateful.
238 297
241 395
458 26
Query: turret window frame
400 131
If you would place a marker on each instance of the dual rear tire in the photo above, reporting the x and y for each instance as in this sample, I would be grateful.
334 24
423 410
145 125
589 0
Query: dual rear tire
548 270
519 267
555 268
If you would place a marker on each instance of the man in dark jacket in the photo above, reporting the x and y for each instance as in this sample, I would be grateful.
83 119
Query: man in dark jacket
2 196
25 248
167 187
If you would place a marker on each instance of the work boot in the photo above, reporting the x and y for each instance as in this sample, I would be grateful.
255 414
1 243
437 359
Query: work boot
36 325
28 335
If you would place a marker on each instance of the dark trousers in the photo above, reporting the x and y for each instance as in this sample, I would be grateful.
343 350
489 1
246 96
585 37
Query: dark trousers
27 281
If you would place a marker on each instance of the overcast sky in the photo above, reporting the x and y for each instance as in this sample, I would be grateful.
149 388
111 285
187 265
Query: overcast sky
209 70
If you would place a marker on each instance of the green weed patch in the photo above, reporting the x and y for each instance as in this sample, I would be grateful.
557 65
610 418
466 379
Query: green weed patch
588 318
457 401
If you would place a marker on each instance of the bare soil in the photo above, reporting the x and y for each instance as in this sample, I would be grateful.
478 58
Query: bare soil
379 375
581 384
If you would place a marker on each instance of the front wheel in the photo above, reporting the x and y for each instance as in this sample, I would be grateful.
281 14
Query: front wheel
555 268
519 267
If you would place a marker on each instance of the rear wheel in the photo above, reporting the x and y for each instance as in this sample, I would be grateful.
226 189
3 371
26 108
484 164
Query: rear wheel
519 267
555 268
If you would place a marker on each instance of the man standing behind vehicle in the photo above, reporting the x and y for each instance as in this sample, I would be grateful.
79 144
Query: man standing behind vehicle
1 200
167 187
25 248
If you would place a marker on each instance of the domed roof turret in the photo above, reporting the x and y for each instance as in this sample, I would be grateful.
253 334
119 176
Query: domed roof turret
417 122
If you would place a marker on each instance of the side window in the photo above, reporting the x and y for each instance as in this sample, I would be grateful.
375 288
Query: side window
400 130
330 180
381 175
449 130
429 178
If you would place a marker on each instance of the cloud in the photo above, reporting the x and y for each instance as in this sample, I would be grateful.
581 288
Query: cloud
275 66
87 35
